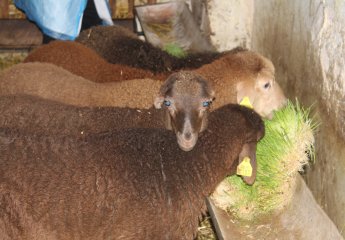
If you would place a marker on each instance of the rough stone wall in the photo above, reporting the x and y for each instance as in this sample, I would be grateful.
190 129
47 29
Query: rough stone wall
306 42
230 23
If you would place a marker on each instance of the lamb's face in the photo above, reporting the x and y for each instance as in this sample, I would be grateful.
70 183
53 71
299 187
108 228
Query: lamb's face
264 94
186 98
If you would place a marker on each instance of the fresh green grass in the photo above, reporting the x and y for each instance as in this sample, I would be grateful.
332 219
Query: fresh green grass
285 149
175 50
10 58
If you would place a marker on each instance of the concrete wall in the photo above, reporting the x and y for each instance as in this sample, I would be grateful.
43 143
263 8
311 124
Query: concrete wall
306 42
231 23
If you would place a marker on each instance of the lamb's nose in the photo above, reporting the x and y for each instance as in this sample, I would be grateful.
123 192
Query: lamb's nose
188 136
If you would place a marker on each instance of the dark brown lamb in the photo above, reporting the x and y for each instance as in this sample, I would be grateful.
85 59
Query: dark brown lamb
118 45
125 184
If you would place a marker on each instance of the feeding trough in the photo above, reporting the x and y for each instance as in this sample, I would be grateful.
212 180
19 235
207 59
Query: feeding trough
279 205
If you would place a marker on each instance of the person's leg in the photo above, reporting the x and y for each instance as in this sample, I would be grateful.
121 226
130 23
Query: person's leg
47 39
90 17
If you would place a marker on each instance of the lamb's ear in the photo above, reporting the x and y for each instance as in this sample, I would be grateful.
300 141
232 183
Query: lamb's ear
240 90
207 88
164 90
247 161
212 94
158 102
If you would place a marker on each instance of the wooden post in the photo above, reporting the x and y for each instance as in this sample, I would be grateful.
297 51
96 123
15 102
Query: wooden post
4 9
112 4
130 8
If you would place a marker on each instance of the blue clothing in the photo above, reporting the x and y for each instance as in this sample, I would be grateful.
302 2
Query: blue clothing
61 19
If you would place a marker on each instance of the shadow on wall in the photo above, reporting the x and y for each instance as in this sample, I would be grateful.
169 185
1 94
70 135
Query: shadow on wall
328 170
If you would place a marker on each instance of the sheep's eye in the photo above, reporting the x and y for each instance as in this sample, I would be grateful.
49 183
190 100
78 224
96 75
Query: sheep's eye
206 104
267 85
167 103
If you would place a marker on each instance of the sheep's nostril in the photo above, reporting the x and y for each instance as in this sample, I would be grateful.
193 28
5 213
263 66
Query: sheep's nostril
187 140
188 136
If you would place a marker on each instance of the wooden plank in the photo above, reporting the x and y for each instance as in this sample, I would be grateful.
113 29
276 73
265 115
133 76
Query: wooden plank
4 9
215 217
17 33
13 12
130 8
112 4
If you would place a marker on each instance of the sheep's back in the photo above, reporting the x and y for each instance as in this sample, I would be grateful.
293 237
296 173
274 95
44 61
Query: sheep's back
119 45
36 115
55 83
100 38
85 62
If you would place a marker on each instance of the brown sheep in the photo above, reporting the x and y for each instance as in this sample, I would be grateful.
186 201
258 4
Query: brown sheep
125 184
117 44
237 66
106 42
84 62
187 106
241 74
40 116
104 34
236 74
55 83
37 115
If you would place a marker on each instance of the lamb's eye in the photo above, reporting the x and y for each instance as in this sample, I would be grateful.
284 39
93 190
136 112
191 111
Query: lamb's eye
267 85
167 103
206 104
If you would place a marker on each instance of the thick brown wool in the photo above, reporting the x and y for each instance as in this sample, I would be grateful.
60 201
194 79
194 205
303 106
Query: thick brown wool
85 62
36 115
52 82
117 44
125 184
227 73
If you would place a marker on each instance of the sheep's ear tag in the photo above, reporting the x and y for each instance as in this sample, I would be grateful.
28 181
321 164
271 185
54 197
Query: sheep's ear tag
246 102
245 168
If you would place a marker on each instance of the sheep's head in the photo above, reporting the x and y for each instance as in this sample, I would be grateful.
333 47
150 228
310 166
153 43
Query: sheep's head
263 92
186 97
